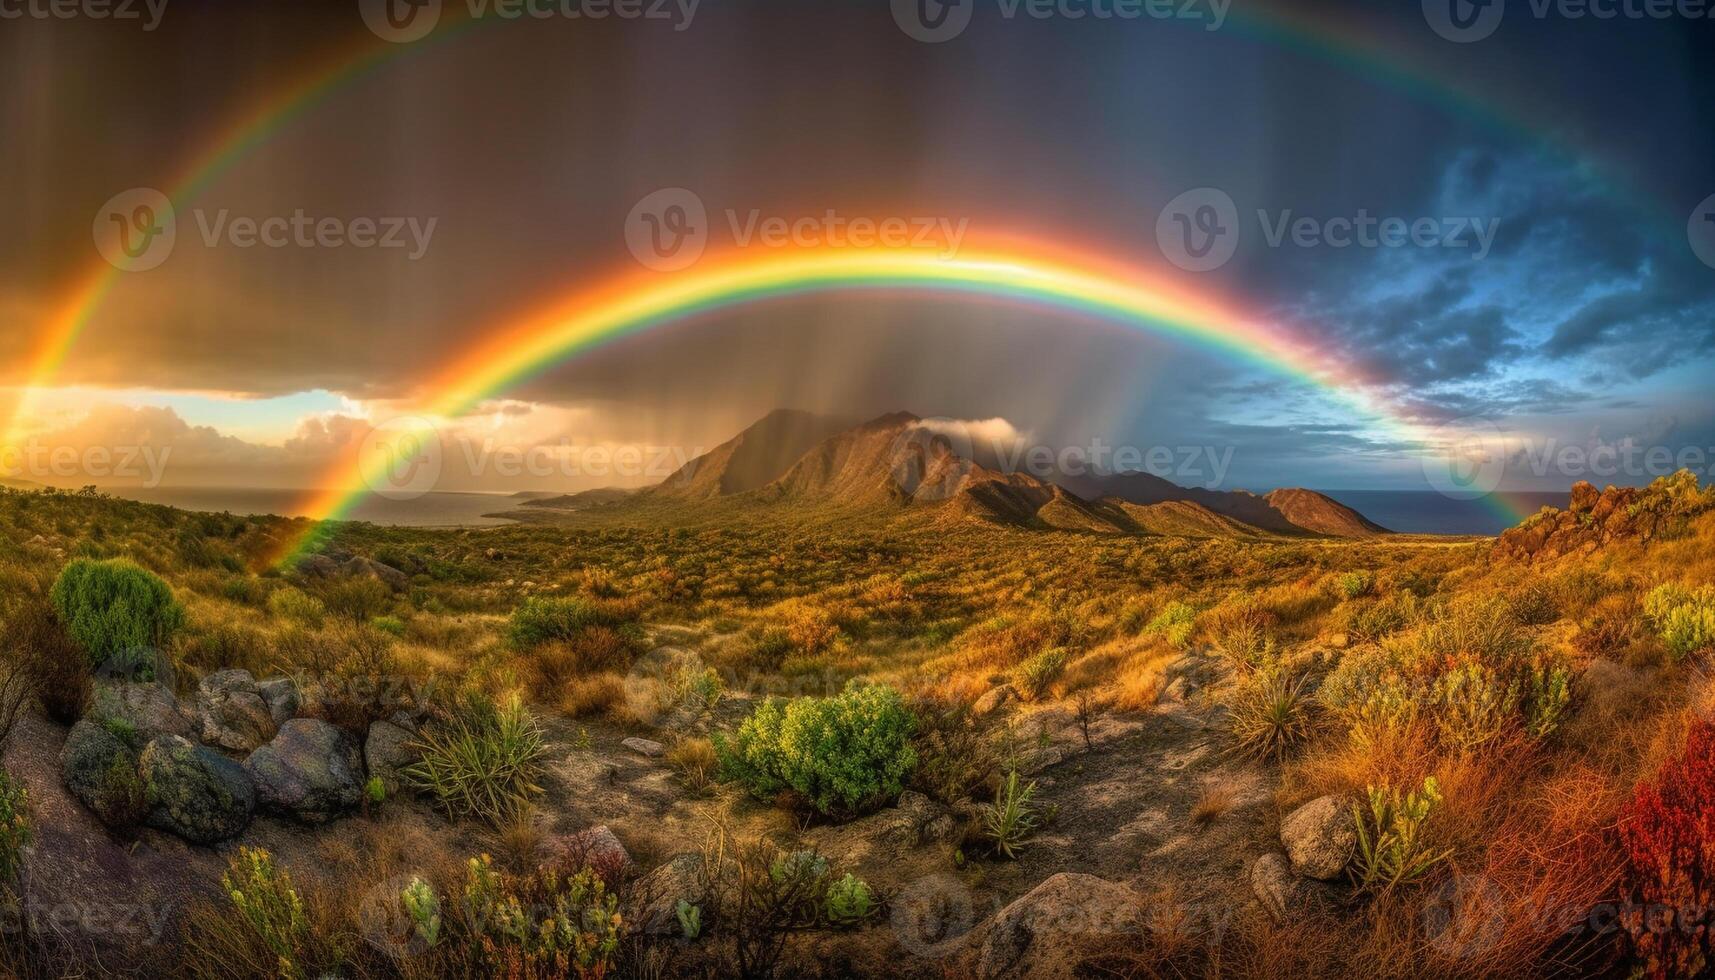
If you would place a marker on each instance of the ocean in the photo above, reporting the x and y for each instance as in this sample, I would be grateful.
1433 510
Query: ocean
1408 511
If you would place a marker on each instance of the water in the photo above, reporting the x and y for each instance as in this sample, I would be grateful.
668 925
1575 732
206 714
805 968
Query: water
1428 512
434 509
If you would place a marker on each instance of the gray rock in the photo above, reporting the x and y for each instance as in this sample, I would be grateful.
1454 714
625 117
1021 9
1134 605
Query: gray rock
149 708
919 820
1043 932
361 567
993 701
311 771
231 712
317 566
653 909
194 792
387 750
1285 895
101 771
1320 837
643 746
283 698
596 848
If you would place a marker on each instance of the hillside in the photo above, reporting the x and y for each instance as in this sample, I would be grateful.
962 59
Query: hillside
1324 515
752 459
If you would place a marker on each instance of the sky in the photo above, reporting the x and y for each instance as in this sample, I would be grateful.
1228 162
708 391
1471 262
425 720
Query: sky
1555 287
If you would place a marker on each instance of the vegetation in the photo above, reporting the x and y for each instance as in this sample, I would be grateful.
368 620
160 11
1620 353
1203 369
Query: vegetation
482 762
115 606
1669 832
1010 820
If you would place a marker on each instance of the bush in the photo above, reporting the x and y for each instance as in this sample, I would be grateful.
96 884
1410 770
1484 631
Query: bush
1668 831
55 668
849 901
540 621
1355 584
549 923
268 904
1010 820
843 754
1173 624
14 830
298 607
1392 847
1034 675
1683 618
113 606
483 762
1268 713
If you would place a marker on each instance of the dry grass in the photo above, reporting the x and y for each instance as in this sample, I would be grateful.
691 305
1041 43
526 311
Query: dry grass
695 761
599 694
1212 804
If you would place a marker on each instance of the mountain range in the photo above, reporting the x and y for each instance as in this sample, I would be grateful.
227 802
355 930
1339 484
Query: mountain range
900 462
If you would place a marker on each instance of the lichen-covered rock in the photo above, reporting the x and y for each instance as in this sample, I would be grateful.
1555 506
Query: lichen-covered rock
387 750
282 697
311 771
100 769
653 909
194 792
1284 895
149 708
1043 932
1320 837
231 712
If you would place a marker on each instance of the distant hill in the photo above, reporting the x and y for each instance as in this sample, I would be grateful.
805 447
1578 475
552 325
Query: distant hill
897 463
752 459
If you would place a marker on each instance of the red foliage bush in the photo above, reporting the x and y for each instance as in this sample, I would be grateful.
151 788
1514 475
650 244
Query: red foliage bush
1668 831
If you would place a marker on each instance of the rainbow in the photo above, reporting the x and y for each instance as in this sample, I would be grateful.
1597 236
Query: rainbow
632 303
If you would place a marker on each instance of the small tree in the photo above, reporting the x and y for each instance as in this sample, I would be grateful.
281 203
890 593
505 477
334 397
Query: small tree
115 606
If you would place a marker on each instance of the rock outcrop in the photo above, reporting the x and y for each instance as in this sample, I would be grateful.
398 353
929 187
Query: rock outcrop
231 712
1043 932
311 771
1593 519
194 792
101 771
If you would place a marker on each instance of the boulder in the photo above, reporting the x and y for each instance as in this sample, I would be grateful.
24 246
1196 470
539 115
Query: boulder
993 701
317 566
643 746
361 567
920 820
101 771
311 771
149 708
596 848
1042 933
282 697
195 792
1320 837
387 750
1285 895
231 712
1584 497
653 909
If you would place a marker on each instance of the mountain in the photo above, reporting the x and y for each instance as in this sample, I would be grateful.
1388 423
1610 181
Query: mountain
579 500
750 460
1324 515
897 462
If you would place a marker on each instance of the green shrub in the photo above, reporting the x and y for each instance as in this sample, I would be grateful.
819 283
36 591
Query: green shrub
1173 623
268 904
115 605
1010 820
842 754
1392 848
1683 618
391 625
1034 675
1534 604
1268 713
849 901
482 762
14 830
298 607
543 620
546 924
1355 584
423 908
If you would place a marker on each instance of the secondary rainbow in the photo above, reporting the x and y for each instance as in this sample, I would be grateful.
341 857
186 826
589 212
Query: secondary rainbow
633 303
